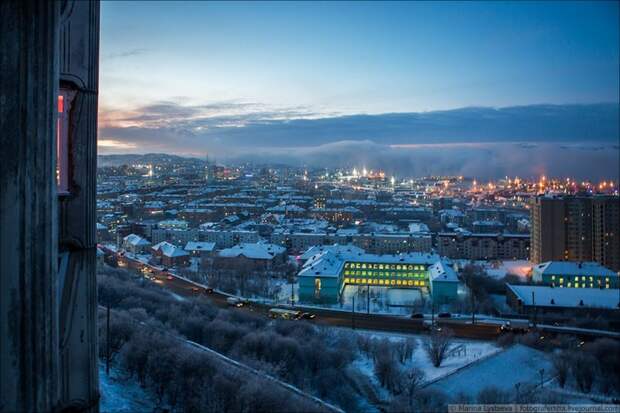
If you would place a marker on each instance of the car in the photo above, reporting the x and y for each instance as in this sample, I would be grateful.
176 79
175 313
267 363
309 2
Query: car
234 301
417 315
444 315
307 316
195 289
208 290
170 277
165 269
516 326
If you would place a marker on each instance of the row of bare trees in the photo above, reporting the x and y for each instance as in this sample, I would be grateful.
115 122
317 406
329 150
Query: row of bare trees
591 366
311 358
182 378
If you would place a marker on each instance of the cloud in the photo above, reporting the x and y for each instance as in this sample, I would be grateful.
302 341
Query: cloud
480 160
126 53
479 141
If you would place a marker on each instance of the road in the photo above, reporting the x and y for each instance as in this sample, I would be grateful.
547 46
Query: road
463 328
335 318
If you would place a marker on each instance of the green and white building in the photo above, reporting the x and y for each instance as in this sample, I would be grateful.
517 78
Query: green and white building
570 274
328 269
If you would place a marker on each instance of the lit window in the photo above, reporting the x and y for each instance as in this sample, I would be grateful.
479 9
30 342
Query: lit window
65 100
317 288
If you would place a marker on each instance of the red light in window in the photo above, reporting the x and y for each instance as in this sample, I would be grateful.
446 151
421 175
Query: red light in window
65 99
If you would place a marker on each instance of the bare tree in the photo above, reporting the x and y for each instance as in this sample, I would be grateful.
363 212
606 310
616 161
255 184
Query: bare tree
404 349
561 368
493 395
437 345
413 379
583 367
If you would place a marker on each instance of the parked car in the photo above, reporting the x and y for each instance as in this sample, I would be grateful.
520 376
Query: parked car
170 277
208 290
307 316
234 301
444 315
417 315
516 326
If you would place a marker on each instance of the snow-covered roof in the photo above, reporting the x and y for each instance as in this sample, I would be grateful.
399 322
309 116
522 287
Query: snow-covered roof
327 264
417 227
136 240
286 208
170 250
441 272
258 251
569 268
199 246
566 297
316 250
328 260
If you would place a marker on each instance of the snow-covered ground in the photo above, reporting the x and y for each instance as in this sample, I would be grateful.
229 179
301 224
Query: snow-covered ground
470 352
394 301
119 395
516 367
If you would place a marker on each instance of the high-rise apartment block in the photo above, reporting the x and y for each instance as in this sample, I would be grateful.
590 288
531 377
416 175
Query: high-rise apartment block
576 228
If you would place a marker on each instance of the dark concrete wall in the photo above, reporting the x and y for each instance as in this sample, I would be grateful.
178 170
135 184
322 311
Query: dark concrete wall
48 331
79 70
28 208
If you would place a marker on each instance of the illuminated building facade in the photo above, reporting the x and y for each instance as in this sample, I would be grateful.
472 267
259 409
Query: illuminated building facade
330 269
574 275
576 228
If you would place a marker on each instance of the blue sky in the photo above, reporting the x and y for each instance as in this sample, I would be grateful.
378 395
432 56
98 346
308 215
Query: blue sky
363 57
184 77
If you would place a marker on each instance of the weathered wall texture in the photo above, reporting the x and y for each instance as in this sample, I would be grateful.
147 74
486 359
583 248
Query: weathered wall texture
48 343
28 243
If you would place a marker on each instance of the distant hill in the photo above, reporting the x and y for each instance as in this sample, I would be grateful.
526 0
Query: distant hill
155 158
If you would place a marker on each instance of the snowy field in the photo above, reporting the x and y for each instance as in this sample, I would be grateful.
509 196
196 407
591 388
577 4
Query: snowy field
122 396
395 301
471 351
517 366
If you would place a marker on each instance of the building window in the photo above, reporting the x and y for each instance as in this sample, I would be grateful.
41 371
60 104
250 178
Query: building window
64 103
317 288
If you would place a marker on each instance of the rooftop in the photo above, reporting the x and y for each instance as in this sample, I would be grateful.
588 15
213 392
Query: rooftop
566 297
573 268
